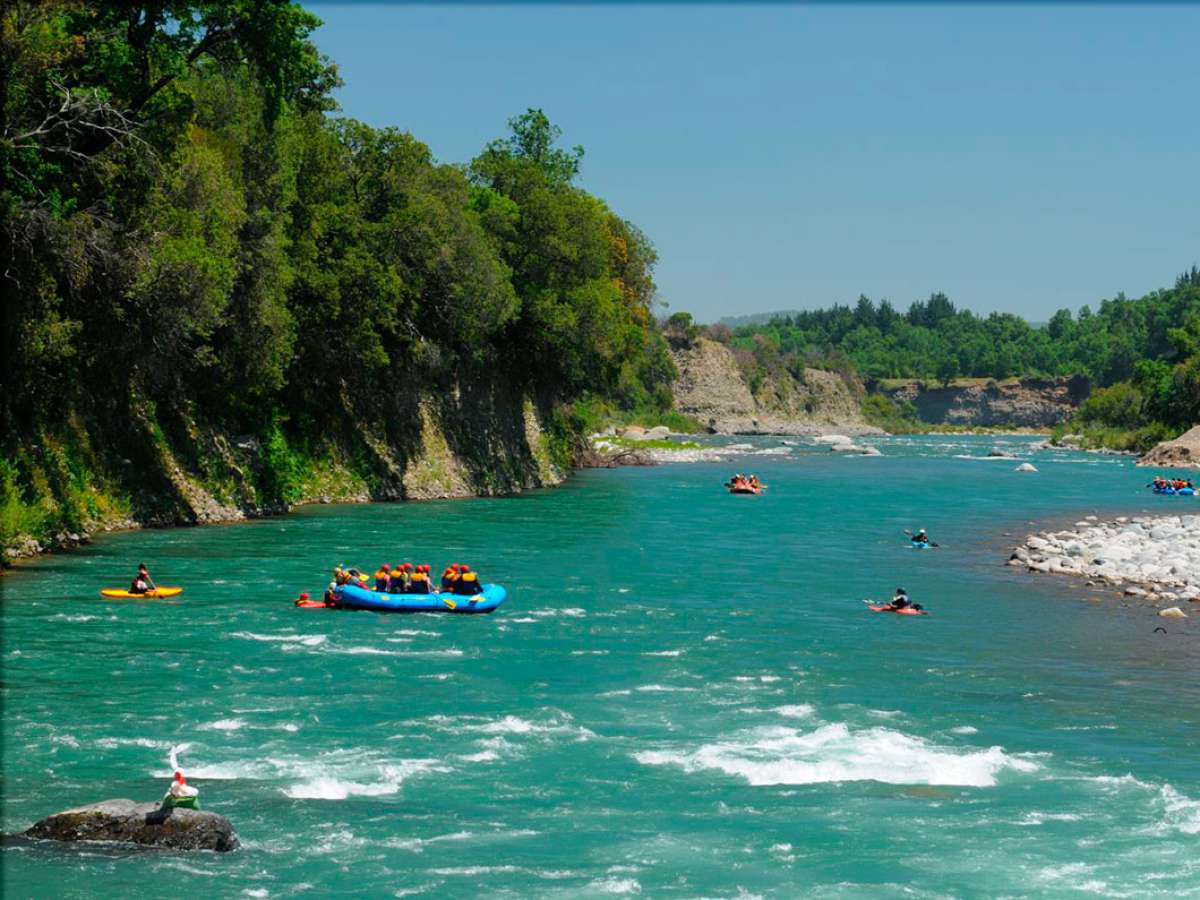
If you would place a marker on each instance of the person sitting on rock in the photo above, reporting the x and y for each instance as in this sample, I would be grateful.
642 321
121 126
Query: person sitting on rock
142 582
468 582
420 583
382 574
181 794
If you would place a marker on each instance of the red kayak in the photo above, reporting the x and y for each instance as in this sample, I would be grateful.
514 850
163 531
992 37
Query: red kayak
906 611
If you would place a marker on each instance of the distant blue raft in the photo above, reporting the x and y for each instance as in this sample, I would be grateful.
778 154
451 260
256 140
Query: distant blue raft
352 597
1176 492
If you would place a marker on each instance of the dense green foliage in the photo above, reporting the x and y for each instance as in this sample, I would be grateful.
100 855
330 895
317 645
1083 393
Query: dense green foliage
193 244
1143 355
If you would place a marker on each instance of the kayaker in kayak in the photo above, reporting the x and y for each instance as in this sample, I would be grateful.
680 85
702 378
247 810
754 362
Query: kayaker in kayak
382 575
142 582
468 582
920 537
901 601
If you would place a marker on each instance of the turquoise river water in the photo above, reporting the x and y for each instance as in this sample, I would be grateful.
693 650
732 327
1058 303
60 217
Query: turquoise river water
684 695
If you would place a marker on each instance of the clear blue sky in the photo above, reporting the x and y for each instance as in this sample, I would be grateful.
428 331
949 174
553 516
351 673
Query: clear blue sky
1021 158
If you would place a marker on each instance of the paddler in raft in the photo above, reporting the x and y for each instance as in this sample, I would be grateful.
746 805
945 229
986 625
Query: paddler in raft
420 582
398 580
382 575
467 583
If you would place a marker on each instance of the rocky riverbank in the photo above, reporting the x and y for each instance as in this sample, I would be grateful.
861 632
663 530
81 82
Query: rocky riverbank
1156 557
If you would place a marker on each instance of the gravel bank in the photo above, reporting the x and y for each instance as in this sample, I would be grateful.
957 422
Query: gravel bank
1157 557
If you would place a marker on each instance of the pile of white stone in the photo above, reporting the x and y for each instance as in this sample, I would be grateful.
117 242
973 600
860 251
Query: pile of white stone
1157 557
840 443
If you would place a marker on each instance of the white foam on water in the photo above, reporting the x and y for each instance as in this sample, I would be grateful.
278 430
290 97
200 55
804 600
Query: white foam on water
571 612
113 743
1040 818
307 640
964 729
589 653
69 617
1180 813
481 756
379 651
835 753
794 710
470 871
417 632
224 725
618 693
614 885
67 740
523 621
1070 870
413 891
885 713
437 676
559 723
387 780
256 892
665 689
663 653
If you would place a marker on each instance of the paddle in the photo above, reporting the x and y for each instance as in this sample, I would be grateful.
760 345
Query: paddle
450 603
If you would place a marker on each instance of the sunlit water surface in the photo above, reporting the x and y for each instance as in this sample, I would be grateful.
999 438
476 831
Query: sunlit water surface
684 695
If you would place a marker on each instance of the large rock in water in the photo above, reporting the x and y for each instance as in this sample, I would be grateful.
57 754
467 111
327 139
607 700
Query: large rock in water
1183 451
139 823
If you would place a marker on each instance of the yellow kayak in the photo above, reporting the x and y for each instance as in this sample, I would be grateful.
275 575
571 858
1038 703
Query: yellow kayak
156 594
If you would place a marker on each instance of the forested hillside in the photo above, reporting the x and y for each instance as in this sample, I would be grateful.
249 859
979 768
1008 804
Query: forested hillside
1141 358
207 271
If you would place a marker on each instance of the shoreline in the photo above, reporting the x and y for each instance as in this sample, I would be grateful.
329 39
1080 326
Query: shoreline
1151 557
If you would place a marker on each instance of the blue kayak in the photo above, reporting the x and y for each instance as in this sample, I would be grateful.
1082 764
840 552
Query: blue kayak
920 545
352 597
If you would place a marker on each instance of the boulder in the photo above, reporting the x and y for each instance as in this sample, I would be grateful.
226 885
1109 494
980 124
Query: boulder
1183 451
658 433
1025 467
147 824
833 439
1172 612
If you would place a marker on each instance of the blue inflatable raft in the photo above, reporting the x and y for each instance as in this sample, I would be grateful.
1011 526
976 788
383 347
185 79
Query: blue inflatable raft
352 597
1181 492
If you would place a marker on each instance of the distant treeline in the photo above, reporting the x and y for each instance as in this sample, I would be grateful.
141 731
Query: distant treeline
189 233
1142 355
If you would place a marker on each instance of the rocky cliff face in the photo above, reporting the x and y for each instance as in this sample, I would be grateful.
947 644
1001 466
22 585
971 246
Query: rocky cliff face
711 388
1031 403
1183 452
464 441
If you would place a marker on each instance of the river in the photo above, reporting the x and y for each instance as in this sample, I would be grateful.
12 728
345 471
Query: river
684 695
